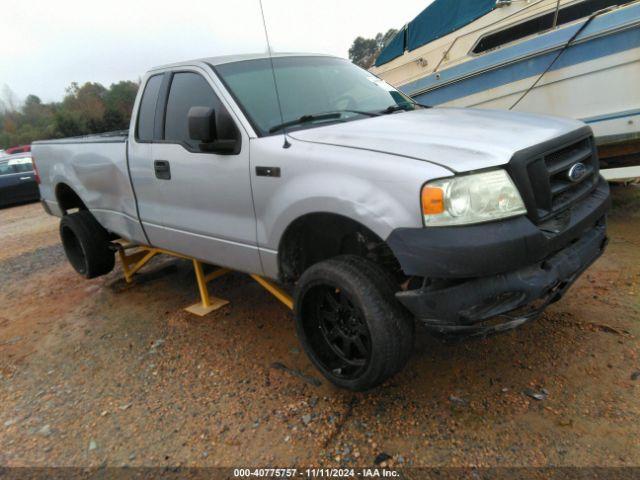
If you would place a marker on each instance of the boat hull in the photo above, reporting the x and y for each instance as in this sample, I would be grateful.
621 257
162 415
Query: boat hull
595 79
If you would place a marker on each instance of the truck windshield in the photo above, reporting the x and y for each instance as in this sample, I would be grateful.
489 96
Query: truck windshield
308 87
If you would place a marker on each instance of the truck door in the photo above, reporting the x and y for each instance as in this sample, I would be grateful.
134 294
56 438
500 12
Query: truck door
205 198
143 133
26 185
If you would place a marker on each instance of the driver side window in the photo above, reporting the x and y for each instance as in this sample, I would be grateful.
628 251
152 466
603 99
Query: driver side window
192 90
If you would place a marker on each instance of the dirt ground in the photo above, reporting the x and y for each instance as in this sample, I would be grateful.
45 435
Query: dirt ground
96 373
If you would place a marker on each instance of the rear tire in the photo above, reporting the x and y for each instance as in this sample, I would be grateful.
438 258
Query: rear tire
346 320
86 244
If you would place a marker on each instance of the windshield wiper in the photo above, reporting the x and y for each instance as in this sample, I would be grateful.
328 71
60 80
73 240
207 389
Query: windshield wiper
393 109
319 116
360 112
403 106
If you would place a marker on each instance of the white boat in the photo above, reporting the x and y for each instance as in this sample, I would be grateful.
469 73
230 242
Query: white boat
575 58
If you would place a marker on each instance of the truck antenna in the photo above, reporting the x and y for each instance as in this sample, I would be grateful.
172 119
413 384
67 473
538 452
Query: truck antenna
273 73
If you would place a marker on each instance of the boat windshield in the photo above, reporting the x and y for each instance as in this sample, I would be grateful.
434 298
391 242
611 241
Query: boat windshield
314 89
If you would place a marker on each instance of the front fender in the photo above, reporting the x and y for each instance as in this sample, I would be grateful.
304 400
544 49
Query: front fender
377 190
355 198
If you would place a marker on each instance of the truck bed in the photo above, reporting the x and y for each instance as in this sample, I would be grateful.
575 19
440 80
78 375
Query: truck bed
95 167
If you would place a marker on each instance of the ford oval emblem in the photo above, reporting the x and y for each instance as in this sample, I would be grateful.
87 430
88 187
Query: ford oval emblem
577 172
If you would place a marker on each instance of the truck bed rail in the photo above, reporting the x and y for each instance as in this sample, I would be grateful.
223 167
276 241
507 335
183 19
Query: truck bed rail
117 136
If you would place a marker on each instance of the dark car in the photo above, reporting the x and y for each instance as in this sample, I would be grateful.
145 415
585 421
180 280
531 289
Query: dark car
18 182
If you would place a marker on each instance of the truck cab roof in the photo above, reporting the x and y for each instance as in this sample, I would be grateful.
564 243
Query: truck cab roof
223 59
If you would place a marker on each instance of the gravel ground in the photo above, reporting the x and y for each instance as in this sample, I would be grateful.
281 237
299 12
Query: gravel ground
97 373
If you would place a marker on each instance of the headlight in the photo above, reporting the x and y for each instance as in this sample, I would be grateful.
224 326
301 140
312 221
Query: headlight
475 198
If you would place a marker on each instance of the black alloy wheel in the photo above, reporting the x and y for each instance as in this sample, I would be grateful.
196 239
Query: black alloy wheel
350 324
338 332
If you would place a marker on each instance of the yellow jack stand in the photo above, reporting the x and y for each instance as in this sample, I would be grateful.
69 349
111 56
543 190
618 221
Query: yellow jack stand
207 303
275 290
133 262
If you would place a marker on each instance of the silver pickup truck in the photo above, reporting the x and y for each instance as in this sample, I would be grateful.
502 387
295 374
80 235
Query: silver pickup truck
315 173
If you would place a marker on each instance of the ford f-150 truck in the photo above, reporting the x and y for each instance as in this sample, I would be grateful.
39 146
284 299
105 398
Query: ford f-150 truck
375 210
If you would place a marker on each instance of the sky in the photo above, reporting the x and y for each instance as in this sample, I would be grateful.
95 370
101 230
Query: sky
48 44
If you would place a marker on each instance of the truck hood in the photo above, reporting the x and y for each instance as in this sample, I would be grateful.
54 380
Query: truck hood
458 139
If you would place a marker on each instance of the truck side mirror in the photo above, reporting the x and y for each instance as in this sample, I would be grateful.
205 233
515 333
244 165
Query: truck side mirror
203 127
202 124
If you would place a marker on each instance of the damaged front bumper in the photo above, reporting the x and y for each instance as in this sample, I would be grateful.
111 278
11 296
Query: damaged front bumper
508 290
461 309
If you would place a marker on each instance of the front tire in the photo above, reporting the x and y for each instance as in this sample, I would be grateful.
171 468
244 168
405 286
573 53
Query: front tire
347 323
86 244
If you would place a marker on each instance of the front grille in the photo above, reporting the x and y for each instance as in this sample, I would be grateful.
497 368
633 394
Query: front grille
543 178
563 190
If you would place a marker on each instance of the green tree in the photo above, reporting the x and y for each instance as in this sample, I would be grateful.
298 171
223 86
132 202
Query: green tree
121 96
119 100
364 51
86 105
85 109
68 124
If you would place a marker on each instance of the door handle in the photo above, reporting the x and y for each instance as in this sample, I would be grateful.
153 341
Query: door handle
25 178
268 171
162 169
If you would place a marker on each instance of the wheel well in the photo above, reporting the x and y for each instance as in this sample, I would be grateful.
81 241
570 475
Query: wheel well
320 236
68 199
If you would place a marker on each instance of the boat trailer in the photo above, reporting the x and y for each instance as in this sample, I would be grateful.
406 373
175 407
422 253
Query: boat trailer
133 257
